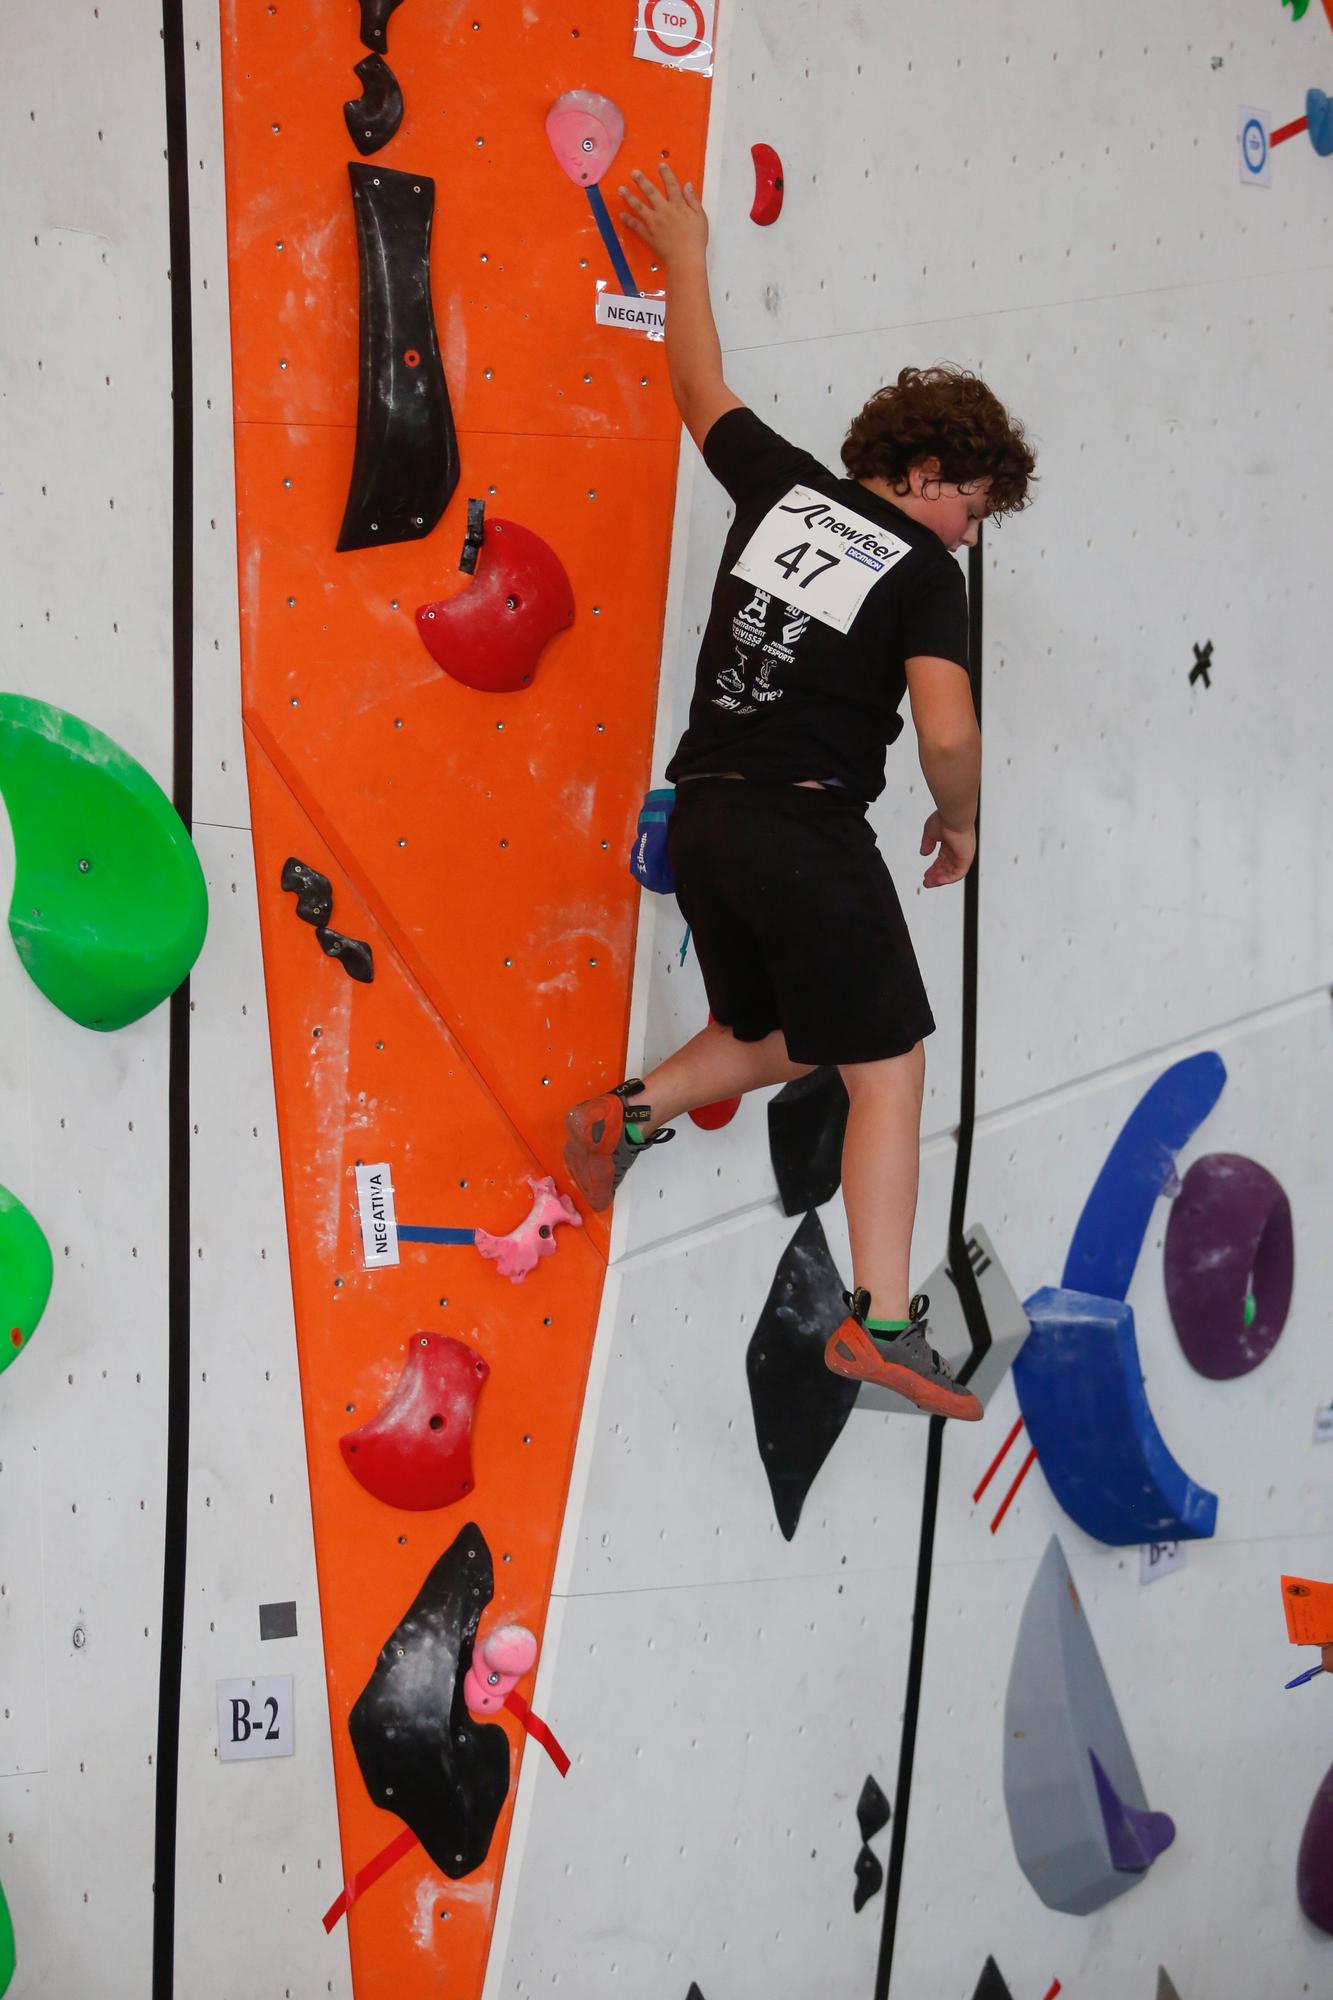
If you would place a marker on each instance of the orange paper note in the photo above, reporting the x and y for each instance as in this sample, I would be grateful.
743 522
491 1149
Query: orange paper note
1309 1609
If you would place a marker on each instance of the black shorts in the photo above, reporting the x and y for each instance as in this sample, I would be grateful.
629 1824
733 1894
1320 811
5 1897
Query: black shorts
795 920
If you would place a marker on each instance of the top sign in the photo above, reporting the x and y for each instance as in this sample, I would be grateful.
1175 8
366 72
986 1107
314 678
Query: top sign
678 33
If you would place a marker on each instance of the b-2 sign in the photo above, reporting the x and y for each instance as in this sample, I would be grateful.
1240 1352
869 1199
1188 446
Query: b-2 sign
819 558
255 1718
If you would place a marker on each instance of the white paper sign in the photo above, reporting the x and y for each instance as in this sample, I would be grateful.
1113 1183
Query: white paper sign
1159 1559
1256 161
256 1719
642 315
678 33
1323 1425
819 558
379 1225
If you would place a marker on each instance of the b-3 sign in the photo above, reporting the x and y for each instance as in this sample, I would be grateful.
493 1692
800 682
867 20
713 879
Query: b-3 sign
678 33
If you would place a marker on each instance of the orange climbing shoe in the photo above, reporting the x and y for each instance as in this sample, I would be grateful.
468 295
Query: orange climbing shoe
598 1152
905 1362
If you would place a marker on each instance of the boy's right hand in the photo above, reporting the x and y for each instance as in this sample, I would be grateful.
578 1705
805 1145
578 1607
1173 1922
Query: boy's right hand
958 847
671 224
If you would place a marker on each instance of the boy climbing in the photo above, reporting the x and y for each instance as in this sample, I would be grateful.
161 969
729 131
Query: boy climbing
834 597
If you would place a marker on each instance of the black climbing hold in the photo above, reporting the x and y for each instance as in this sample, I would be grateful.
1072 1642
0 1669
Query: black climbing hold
694 1993
353 954
991 1984
799 1405
406 461
872 1810
476 535
421 1754
374 117
375 22
1203 661
314 905
806 1123
869 1879
313 891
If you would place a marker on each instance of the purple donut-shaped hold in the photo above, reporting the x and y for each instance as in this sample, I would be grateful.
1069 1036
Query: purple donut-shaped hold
1228 1263
1314 1863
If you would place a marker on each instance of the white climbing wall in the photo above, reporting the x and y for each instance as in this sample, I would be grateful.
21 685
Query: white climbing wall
86 608
1053 197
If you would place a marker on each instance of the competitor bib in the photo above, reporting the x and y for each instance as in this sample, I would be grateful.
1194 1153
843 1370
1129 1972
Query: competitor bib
820 558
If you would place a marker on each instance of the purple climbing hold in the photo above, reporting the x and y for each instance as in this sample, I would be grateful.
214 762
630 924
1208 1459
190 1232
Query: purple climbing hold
1314 1863
1228 1263
1135 1837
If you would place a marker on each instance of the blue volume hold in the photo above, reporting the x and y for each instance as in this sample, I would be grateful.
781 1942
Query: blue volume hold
1140 1166
1319 121
1080 1388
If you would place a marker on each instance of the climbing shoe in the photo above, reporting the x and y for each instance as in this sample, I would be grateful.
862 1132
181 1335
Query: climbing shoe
903 1360
599 1150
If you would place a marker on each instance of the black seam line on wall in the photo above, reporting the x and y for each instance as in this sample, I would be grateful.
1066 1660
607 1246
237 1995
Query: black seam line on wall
977 1326
178 1084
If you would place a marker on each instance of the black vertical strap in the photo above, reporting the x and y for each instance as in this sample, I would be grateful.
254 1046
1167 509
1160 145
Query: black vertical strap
178 1086
970 1297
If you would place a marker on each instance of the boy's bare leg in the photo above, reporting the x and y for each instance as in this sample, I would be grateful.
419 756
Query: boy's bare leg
712 1066
880 1173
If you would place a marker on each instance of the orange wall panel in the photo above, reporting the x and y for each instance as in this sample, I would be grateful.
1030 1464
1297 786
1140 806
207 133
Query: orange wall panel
477 842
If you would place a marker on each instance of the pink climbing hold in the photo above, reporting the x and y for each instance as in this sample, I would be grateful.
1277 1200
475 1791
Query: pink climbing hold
508 1654
585 130
517 1254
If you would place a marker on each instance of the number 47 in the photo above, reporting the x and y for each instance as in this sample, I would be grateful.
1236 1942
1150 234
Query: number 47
791 559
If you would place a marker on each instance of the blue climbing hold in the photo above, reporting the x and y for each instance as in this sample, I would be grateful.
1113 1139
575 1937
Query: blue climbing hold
1140 1166
1080 1388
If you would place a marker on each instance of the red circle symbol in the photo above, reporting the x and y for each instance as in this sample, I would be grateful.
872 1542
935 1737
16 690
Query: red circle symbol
674 16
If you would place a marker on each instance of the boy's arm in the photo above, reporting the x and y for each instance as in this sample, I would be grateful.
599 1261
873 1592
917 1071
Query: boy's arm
675 228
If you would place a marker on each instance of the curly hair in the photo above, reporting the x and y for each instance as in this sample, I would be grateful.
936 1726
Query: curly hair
948 414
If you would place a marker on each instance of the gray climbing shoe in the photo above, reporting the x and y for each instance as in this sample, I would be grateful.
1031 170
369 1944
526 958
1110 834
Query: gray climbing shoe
905 1362
598 1153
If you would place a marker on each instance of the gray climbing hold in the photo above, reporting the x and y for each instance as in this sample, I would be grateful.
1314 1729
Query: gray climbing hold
1059 1714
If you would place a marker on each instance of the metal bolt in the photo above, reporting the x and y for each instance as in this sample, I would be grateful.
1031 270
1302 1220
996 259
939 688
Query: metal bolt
80 1638
84 866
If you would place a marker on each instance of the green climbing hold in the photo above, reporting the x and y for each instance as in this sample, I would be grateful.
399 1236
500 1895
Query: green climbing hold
25 1286
1251 1308
109 907
8 1958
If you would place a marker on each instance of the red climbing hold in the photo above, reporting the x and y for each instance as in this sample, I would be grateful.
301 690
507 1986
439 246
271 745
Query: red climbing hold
491 635
767 185
416 1452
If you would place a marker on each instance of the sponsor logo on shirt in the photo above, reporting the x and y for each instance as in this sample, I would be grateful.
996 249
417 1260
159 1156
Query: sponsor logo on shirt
793 627
747 627
857 542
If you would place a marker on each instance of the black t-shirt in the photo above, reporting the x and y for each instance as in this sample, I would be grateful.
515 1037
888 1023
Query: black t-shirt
822 593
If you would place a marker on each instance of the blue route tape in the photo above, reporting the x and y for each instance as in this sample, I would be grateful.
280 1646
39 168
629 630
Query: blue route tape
1139 1167
613 250
408 1233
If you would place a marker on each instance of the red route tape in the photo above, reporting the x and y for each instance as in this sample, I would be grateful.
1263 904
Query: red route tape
1288 131
366 1878
1019 1477
1053 1989
997 1460
538 1730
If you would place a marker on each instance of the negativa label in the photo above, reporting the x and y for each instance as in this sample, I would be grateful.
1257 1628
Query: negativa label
379 1225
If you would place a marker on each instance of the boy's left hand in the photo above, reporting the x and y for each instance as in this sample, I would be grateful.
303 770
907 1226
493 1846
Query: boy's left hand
672 224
